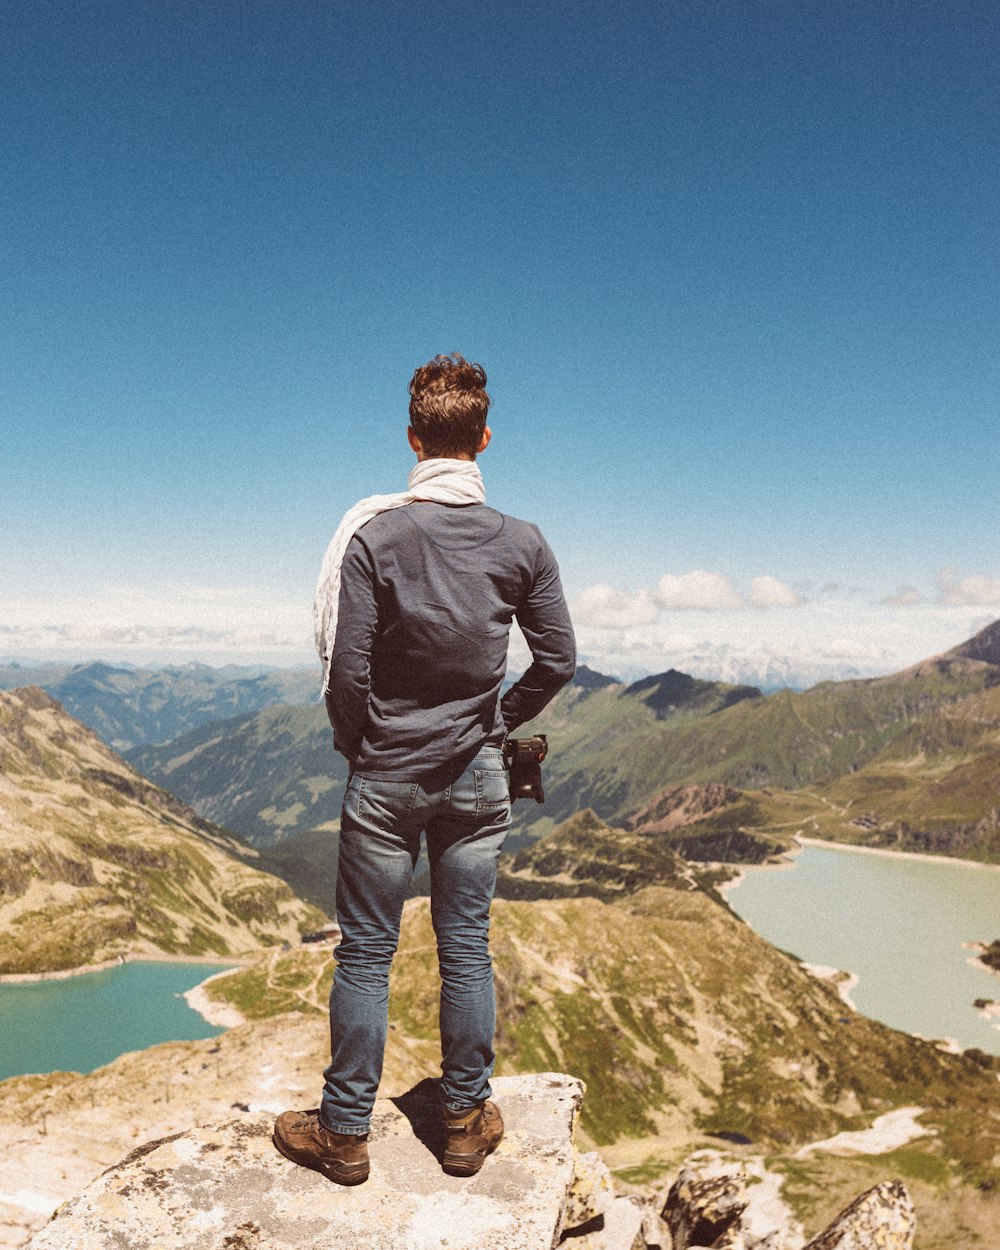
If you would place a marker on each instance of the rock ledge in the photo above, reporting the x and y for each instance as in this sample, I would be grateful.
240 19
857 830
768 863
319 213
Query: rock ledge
225 1187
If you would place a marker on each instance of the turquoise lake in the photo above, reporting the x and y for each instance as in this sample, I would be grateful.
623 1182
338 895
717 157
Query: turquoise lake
78 1023
897 923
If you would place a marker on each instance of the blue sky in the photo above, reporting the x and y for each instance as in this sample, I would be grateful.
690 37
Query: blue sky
732 269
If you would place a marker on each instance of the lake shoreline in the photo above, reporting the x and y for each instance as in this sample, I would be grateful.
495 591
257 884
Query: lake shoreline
884 850
140 957
220 1015
786 859
823 913
81 1023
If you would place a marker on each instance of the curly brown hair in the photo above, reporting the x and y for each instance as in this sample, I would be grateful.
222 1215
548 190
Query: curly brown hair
448 406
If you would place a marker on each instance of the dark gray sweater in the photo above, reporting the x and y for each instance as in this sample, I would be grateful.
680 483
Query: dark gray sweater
427 596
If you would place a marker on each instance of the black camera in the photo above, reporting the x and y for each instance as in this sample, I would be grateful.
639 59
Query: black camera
523 759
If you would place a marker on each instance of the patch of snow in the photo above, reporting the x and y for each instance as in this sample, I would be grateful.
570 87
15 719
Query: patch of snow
888 1132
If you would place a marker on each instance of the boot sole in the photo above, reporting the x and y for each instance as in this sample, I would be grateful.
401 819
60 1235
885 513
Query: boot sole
467 1165
342 1174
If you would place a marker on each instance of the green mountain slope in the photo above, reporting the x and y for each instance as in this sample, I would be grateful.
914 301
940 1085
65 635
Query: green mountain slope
611 753
268 775
308 862
128 706
935 788
272 774
96 862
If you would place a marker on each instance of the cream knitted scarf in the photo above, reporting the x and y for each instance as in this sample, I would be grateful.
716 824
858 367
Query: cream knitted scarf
440 480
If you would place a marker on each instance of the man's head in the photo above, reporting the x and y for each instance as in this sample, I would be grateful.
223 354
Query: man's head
448 406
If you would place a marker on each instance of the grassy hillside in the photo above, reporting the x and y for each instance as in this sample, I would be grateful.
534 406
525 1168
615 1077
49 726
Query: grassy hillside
95 861
610 752
268 776
585 857
934 789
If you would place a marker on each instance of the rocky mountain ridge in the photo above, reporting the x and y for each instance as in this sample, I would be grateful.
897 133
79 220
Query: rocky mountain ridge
96 861
537 1190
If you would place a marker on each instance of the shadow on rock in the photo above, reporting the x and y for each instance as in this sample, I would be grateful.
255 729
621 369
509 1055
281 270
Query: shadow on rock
422 1107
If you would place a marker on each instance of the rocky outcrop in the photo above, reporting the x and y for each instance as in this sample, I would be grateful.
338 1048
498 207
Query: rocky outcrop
881 1217
706 1209
225 1187
678 806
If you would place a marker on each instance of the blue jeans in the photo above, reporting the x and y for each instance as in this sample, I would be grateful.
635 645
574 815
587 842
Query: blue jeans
380 829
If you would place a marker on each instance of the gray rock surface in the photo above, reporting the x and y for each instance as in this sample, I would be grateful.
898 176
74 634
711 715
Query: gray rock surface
591 1192
883 1218
705 1205
620 1227
705 1210
225 1187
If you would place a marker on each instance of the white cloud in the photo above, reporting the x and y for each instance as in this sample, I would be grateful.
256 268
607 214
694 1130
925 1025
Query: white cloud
831 636
606 607
905 597
183 620
621 632
698 589
975 590
771 592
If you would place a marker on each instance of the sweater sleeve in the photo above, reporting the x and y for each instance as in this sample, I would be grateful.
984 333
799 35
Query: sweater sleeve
350 668
545 623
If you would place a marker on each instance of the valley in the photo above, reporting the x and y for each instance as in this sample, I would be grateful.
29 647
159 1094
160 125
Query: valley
617 957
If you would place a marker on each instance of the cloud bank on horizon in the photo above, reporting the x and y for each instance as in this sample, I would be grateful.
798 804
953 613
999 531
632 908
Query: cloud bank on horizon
701 622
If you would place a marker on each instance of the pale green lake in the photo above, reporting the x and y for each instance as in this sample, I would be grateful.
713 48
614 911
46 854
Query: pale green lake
78 1023
897 923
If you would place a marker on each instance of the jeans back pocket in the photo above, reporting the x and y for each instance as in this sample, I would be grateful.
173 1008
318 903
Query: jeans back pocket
492 789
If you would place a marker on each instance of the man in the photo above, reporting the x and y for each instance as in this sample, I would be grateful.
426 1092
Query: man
413 611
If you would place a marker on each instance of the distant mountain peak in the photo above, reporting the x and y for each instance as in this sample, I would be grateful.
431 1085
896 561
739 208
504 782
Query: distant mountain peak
590 679
674 691
100 667
984 646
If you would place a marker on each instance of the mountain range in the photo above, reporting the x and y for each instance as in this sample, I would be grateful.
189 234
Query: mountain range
909 760
128 706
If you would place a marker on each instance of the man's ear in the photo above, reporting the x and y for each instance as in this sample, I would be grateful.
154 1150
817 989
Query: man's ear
415 443
484 442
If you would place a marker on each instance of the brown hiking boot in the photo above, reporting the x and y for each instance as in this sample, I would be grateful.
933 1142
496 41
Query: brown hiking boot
341 1157
470 1137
